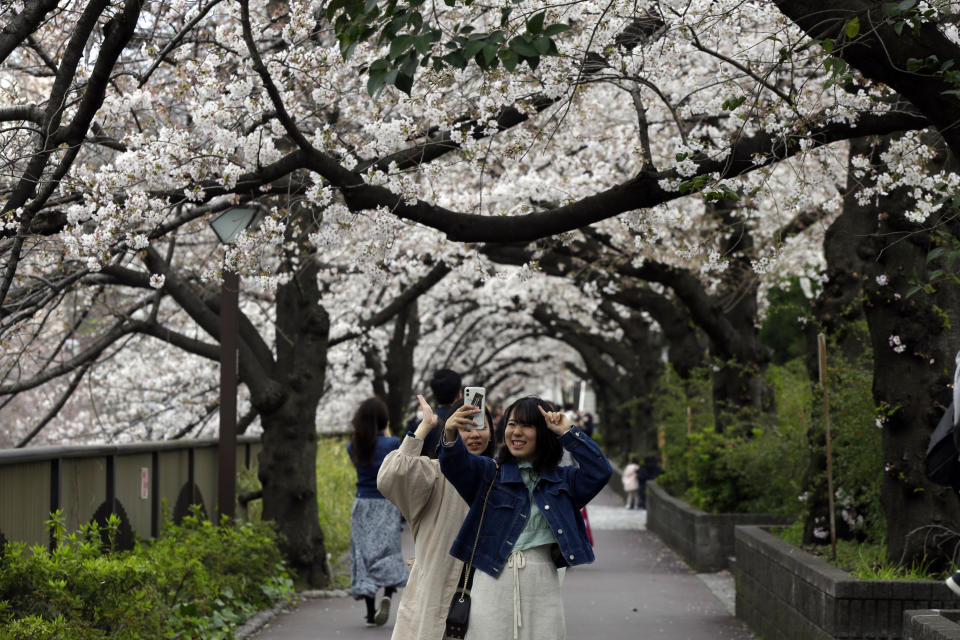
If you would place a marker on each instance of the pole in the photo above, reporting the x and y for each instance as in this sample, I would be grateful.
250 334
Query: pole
822 348
227 447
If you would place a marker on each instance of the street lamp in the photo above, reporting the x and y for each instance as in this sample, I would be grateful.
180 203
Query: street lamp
227 225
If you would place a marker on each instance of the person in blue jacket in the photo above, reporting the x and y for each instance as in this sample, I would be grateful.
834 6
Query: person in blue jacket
531 522
376 559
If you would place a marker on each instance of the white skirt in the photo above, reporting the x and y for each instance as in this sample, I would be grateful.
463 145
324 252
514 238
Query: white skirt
524 603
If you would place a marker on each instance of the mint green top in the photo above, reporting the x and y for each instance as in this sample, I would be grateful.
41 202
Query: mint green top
537 530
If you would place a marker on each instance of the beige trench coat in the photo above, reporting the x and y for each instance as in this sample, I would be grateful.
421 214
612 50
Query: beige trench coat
435 512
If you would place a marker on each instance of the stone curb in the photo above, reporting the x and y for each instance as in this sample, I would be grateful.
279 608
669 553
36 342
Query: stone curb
258 621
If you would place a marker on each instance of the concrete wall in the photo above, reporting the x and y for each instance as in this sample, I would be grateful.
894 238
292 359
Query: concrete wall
785 593
931 624
704 540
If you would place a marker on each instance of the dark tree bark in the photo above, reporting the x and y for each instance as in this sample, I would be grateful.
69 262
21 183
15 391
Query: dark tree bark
878 240
916 382
288 461
882 54
393 376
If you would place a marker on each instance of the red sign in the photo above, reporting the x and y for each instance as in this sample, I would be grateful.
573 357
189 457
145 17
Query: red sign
144 483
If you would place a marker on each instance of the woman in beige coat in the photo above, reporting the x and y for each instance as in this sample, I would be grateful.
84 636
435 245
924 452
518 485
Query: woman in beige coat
435 511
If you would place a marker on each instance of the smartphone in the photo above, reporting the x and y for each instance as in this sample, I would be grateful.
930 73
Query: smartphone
477 397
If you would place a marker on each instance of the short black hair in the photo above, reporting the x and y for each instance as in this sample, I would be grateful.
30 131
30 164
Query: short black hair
445 385
549 450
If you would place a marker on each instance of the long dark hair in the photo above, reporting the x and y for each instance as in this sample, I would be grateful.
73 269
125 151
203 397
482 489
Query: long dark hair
549 450
369 420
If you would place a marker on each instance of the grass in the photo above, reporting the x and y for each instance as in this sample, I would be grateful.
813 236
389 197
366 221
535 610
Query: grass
336 486
862 560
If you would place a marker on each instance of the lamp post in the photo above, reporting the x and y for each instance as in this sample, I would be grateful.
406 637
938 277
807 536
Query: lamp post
227 225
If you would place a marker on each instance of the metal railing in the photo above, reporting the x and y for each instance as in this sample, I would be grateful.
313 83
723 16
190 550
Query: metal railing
131 480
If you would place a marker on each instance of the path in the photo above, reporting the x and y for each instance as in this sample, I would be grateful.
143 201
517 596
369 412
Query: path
637 589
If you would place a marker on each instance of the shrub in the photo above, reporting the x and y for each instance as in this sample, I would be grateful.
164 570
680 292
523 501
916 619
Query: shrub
747 469
196 580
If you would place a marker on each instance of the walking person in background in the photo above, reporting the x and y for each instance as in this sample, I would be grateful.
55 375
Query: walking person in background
631 483
650 470
524 520
445 385
375 554
435 511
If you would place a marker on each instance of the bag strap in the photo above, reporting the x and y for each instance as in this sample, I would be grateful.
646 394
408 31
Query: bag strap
468 568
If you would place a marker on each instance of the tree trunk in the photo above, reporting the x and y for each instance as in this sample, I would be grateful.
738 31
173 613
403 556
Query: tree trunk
913 344
916 383
288 461
398 372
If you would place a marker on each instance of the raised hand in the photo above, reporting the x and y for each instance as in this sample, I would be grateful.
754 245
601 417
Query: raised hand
557 421
429 420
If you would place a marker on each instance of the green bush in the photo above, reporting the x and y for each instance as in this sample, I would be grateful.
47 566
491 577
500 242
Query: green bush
756 465
762 467
197 580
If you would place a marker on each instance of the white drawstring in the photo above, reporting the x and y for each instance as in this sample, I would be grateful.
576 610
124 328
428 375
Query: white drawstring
517 561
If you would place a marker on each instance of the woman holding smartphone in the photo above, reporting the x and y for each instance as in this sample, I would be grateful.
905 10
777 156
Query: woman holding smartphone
530 513
413 482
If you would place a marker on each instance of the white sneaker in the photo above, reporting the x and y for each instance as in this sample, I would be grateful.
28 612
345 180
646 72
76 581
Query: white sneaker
954 583
383 613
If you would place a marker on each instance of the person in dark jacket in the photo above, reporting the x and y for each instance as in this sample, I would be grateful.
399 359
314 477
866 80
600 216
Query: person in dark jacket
447 392
527 510
649 471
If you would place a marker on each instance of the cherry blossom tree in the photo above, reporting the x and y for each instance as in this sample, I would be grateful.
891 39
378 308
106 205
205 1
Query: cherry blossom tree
648 122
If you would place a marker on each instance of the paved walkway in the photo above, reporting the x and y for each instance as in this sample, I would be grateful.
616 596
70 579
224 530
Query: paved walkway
637 589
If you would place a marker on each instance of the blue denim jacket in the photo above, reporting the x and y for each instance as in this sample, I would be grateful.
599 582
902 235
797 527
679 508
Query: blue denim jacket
560 495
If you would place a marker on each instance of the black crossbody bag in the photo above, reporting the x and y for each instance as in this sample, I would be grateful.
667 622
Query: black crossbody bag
459 615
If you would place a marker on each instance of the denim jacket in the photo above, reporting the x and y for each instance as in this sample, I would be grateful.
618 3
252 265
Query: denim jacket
560 494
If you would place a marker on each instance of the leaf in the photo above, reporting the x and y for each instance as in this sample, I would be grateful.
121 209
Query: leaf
415 21
523 48
473 47
505 16
898 27
535 24
490 54
906 5
423 42
732 103
828 45
455 59
509 59
399 45
852 27
404 83
542 44
555 29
